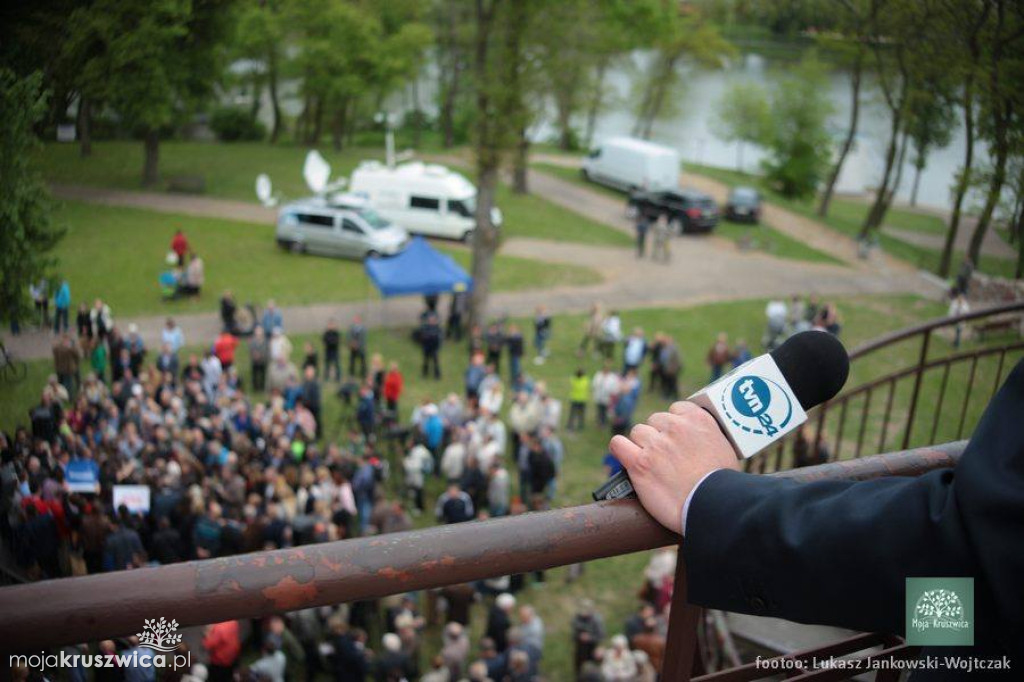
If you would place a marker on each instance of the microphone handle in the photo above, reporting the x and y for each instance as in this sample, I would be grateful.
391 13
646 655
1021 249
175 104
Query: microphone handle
618 487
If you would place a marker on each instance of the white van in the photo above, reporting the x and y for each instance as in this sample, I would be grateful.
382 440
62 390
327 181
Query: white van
423 198
630 164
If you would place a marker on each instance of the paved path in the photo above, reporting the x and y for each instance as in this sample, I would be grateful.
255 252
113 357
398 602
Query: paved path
704 269
162 202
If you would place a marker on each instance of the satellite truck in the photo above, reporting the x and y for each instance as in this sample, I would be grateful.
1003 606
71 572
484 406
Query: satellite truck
427 199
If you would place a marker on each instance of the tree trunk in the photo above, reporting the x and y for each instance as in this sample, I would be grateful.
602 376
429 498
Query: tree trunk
595 103
1001 112
851 134
918 167
257 93
1017 229
890 194
964 181
485 237
874 217
302 122
151 160
85 127
318 121
520 184
417 124
485 245
275 103
338 121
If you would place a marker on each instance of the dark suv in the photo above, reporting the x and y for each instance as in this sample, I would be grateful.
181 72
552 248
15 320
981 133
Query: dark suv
689 211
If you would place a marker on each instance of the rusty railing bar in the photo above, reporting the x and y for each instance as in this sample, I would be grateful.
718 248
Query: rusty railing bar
967 397
927 326
888 413
863 422
74 610
999 374
918 377
942 399
839 431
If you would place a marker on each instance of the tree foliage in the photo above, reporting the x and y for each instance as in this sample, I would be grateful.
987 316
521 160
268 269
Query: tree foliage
26 232
797 139
744 115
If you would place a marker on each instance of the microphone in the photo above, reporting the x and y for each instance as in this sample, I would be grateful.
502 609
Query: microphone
765 398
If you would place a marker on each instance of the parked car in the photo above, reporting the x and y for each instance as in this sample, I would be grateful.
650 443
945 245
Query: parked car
629 164
342 225
426 199
689 211
743 205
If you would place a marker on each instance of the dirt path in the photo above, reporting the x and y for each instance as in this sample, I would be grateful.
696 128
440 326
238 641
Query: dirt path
703 270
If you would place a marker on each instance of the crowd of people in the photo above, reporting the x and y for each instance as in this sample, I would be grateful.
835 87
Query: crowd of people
235 468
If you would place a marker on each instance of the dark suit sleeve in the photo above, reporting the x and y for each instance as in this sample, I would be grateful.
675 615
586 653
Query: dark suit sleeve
838 553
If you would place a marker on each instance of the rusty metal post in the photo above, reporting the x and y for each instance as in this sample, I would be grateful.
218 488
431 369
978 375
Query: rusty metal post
922 359
681 641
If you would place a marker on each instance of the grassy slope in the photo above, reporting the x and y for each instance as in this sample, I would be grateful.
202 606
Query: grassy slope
613 582
846 216
117 254
230 172
775 242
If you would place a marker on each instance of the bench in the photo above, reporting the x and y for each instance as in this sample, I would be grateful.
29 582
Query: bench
997 325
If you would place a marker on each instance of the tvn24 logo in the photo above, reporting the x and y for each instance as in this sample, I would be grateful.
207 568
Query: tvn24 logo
757 405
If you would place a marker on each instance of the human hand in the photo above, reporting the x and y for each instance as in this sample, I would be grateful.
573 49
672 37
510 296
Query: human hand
667 456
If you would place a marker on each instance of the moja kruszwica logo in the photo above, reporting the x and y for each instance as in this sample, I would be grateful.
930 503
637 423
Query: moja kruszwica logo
160 634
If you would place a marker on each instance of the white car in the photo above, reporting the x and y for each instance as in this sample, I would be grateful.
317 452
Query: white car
629 164
342 225
426 199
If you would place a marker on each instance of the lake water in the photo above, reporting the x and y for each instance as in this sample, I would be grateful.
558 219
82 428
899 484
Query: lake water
688 128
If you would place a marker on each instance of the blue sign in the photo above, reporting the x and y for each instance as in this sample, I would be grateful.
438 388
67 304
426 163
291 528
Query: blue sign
82 476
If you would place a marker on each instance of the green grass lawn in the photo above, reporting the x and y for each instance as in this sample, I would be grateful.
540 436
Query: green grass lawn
846 216
764 237
612 583
118 253
230 172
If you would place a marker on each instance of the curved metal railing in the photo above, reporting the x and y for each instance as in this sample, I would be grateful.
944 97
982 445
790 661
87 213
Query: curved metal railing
73 610
849 415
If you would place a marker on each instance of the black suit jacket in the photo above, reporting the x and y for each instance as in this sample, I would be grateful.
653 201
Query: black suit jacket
838 553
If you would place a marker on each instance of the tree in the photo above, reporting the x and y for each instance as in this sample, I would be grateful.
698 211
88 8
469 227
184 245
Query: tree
961 29
500 27
259 36
743 116
687 37
797 139
453 21
851 49
1003 107
157 61
26 232
930 122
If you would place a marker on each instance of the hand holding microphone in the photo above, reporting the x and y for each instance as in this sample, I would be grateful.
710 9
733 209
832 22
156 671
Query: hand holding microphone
737 416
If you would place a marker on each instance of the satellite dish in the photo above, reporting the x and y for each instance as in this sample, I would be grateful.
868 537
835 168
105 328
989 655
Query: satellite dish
316 171
265 191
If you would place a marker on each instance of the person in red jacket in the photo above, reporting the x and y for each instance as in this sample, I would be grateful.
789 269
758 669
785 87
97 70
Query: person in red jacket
224 348
393 385
179 245
223 646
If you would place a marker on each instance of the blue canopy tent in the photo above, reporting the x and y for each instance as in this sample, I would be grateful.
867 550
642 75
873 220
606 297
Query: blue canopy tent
418 269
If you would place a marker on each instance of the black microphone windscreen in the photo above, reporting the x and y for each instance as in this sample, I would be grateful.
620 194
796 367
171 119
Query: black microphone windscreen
815 365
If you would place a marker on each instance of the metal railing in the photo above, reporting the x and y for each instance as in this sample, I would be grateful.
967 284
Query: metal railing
850 413
73 610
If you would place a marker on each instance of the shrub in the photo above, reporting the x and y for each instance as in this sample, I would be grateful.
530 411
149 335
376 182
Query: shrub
233 124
